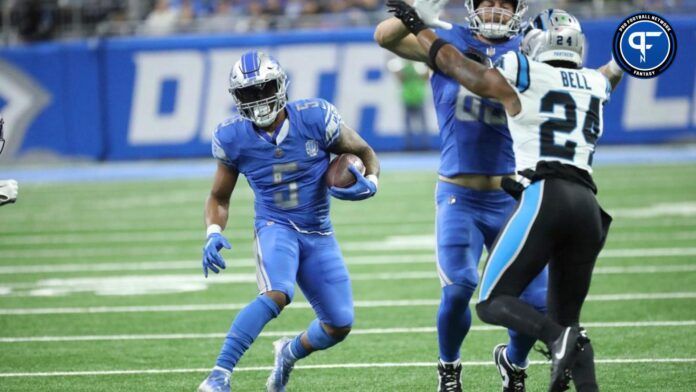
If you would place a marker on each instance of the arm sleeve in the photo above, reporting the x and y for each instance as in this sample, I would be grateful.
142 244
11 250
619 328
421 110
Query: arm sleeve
330 125
514 66
221 151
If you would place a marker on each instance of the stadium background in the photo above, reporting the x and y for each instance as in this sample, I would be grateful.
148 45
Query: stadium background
110 105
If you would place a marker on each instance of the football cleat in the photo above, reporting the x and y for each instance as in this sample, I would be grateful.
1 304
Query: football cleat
513 376
449 376
284 363
564 352
217 381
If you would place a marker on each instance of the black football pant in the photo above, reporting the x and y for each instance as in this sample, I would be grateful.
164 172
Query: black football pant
557 222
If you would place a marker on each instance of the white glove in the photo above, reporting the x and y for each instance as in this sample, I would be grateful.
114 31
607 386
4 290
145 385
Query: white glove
430 10
8 191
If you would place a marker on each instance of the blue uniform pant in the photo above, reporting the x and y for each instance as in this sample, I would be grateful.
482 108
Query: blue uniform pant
466 221
285 256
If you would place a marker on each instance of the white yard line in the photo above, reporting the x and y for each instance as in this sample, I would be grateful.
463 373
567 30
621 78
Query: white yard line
305 305
329 366
129 237
131 285
350 260
368 331
195 264
396 243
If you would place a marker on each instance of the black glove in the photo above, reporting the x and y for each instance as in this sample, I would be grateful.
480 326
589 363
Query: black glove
408 16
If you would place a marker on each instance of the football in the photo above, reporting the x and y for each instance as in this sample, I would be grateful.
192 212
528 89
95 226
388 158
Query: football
338 174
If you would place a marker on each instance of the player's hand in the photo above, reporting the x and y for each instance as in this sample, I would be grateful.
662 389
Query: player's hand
407 14
430 10
8 191
361 190
211 253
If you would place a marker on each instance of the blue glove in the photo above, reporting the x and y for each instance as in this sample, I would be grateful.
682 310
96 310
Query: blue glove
211 255
362 189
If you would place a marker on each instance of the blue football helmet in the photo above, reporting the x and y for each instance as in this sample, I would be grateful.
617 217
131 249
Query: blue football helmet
259 86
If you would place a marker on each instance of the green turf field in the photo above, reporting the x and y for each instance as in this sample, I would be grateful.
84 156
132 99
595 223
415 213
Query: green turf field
101 290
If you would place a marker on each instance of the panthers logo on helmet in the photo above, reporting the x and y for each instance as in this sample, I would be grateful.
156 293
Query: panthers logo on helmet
645 45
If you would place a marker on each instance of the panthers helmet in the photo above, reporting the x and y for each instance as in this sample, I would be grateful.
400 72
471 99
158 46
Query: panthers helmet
490 21
259 86
555 35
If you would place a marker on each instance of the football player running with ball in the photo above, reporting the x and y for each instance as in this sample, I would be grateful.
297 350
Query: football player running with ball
554 108
475 155
283 149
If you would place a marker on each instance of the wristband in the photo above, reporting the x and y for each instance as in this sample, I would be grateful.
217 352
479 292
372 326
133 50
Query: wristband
213 229
614 68
432 54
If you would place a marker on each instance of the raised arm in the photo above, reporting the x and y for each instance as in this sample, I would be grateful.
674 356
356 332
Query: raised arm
613 72
392 35
477 78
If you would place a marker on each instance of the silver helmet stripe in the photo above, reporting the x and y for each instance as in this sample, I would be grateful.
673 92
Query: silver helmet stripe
256 69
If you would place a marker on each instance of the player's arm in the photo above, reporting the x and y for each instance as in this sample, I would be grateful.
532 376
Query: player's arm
218 203
392 35
349 141
477 78
216 212
613 72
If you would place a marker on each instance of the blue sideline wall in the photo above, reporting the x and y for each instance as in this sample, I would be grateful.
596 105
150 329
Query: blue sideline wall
132 98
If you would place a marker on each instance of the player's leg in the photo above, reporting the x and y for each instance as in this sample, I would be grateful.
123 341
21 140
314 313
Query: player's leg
539 224
511 358
459 247
571 269
277 254
323 278
500 207
519 255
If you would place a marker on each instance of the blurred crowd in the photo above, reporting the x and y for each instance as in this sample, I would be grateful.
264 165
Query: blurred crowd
253 15
34 20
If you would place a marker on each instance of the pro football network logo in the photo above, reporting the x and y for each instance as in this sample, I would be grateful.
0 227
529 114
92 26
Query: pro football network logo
645 45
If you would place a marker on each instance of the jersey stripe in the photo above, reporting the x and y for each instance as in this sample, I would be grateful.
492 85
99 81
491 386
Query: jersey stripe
522 72
512 239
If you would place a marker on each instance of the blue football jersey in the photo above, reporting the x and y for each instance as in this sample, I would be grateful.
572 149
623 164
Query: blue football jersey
286 174
474 138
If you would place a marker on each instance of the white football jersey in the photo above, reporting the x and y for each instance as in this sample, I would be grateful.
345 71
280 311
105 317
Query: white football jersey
562 110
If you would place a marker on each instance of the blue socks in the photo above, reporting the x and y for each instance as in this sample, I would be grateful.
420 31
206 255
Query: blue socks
318 339
245 328
453 320
518 348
